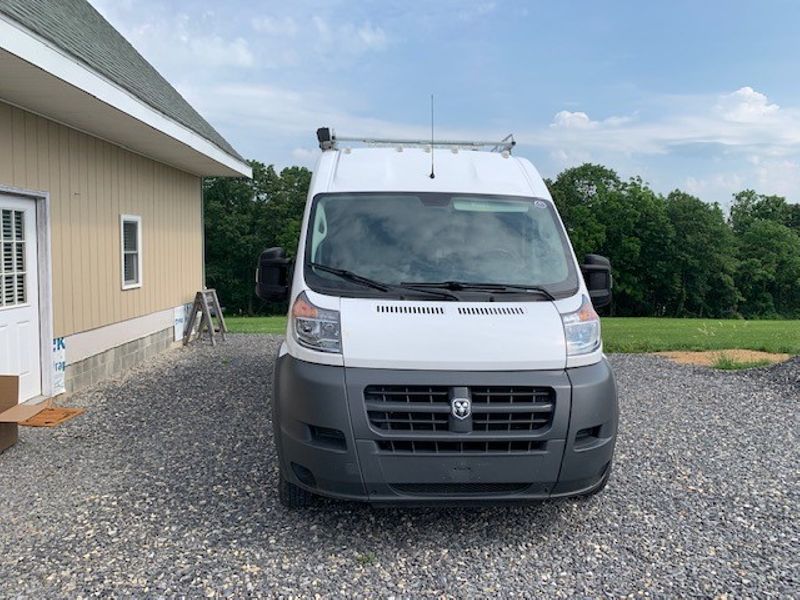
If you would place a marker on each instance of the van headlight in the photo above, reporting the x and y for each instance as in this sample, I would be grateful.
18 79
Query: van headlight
314 327
582 329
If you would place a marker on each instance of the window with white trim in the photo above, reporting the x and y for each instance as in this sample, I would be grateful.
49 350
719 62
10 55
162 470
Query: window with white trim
131 251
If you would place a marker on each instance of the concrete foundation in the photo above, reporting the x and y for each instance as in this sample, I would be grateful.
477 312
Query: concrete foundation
116 360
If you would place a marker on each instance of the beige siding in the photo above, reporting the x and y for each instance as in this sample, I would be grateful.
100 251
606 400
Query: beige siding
91 183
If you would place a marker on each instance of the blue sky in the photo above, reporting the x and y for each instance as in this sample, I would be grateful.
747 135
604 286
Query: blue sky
703 96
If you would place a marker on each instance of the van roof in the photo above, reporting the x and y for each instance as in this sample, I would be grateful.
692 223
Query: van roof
390 169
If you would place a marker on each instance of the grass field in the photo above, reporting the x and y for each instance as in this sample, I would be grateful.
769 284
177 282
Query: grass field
627 334
654 335
256 324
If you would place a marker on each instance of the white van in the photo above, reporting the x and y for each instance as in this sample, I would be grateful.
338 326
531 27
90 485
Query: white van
442 342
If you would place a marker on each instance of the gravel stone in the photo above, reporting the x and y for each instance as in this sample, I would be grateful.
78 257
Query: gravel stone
166 486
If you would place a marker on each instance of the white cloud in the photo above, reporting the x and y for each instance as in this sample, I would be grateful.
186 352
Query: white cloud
716 185
348 38
580 120
781 177
216 51
372 37
182 41
277 112
572 120
285 26
743 120
200 45
746 105
569 157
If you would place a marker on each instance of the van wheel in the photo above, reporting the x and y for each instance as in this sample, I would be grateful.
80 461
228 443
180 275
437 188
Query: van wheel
293 496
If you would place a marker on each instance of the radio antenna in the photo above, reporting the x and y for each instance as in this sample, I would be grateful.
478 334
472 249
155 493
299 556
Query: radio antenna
433 175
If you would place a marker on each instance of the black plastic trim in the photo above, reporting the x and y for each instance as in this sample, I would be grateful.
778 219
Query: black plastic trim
331 397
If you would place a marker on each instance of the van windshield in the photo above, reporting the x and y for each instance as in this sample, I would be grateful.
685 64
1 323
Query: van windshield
421 238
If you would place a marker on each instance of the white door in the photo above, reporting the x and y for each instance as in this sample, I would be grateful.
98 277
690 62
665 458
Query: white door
19 295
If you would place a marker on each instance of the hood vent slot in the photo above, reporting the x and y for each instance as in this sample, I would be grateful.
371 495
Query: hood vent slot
403 309
491 310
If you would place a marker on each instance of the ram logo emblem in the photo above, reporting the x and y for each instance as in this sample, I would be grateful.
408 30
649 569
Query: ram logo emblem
461 407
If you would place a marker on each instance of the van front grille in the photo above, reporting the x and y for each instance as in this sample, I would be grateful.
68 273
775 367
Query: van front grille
497 409
458 489
461 447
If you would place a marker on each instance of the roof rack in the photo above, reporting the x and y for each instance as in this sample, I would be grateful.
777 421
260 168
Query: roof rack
328 141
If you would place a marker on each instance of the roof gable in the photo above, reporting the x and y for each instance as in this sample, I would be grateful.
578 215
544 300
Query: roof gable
76 28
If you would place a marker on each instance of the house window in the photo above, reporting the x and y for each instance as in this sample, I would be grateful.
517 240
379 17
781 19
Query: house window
12 258
131 239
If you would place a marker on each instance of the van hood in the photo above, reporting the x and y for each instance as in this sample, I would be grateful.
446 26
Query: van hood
476 336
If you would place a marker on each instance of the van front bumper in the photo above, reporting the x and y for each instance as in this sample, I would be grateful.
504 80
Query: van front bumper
328 442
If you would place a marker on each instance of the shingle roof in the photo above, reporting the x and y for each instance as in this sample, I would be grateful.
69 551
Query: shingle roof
76 28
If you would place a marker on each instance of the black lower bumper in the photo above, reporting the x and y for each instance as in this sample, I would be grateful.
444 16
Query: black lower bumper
327 445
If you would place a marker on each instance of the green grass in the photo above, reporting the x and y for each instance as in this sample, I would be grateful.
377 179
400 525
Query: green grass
629 334
621 334
728 364
256 324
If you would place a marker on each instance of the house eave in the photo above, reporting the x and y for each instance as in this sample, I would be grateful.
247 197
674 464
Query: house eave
40 78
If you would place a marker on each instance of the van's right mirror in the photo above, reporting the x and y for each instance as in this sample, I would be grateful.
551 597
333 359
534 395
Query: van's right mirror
596 271
272 276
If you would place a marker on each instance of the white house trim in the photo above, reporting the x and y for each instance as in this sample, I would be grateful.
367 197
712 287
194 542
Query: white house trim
140 279
45 270
33 49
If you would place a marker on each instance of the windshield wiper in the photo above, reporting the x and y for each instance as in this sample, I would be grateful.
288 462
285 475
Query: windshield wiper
484 287
378 285
350 276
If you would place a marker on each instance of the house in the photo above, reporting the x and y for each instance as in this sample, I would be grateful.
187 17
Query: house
101 220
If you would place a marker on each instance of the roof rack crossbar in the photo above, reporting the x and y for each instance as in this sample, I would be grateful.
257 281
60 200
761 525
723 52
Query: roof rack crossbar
505 145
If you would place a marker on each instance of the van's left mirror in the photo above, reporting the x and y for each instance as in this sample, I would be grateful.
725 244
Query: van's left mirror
597 275
273 276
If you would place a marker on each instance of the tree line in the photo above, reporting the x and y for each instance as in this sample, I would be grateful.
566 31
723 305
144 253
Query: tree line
672 255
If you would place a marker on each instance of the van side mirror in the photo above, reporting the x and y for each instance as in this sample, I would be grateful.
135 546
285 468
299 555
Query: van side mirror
273 275
596 271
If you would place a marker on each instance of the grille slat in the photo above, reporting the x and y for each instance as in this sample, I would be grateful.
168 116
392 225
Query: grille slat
404 406
461 447
511 408
459 489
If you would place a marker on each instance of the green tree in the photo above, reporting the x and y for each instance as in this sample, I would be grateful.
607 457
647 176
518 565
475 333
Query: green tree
578 194
242 218
704 258
670 256
626 222
768 274
639 243
749 206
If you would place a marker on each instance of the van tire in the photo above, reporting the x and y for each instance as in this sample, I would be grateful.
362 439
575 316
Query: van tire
293 496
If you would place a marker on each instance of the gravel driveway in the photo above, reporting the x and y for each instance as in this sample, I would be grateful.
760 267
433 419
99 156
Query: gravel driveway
167 485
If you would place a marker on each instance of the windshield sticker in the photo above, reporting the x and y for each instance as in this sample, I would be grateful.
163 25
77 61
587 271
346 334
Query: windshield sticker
540 204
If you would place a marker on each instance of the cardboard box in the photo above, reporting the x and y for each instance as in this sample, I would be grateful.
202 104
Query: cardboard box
11 412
